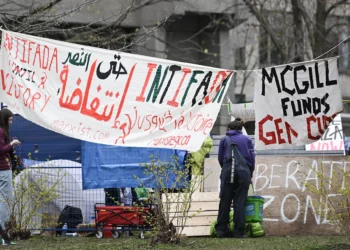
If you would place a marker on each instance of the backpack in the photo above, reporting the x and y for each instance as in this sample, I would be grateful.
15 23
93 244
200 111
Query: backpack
234 163
70 215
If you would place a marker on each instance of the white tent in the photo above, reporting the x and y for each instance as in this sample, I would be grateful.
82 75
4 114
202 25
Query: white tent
69 190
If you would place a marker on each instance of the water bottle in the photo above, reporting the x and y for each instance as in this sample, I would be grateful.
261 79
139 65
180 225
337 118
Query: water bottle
64 230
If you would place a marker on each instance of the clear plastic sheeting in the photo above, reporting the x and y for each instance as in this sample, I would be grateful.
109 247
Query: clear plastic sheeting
65 179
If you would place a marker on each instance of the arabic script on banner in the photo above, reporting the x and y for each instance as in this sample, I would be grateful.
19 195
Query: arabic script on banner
110 97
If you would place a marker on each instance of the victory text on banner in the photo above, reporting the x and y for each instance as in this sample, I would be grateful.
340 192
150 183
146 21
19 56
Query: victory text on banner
295 103
110 97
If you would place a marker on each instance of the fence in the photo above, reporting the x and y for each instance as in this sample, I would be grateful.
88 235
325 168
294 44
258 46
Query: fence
44 189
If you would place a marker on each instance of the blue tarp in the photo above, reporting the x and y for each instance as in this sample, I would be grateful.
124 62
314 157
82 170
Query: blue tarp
107 166
41 143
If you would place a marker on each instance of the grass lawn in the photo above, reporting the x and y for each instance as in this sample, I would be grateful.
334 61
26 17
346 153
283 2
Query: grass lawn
202 243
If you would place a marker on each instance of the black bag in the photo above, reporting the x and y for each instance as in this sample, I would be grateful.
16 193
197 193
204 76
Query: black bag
237 161
16 162
70 215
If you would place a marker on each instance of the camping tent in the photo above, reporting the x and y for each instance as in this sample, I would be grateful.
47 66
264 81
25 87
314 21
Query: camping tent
69 190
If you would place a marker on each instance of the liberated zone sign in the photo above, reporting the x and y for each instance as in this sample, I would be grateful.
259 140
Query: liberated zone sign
294 104
110 97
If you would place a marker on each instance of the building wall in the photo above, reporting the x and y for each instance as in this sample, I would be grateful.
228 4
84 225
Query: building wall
290 207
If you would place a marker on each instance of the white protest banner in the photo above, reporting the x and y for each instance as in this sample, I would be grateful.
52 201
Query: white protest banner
110 97
332 139
295 103
245 111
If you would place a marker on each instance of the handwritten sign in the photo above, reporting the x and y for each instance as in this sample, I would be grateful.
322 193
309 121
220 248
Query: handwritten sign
110 97
332 139
295 103
245 111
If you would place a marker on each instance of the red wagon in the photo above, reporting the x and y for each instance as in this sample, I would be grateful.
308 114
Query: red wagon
118 219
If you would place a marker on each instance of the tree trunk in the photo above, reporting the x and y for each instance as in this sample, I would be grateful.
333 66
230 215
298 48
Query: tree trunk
298 53
320 42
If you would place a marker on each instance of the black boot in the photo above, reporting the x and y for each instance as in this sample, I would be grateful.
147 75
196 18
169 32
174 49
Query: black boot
237 234
224 234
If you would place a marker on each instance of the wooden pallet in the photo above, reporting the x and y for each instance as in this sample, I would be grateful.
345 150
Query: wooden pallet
204 210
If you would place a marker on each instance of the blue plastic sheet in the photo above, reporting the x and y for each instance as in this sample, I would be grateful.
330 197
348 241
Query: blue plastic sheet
41 144
106 166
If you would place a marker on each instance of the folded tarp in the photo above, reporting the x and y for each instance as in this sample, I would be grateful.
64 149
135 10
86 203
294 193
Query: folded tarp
106 166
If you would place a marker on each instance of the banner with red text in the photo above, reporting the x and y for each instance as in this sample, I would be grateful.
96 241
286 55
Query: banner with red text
110 97
295 103
331 140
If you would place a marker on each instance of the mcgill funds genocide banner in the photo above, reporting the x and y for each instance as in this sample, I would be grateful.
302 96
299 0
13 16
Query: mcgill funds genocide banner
110 97
295 103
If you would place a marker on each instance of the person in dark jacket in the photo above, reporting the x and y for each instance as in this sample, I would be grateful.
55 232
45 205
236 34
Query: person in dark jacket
237 188
6 147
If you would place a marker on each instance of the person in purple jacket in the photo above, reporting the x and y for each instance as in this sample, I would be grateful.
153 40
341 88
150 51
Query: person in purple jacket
234 184
6 147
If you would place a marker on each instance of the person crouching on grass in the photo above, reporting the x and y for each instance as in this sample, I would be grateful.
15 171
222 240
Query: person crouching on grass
235 149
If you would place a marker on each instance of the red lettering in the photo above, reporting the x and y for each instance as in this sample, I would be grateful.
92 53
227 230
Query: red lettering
36 96
271 134
46 101
289 131
270 137
37 53
151 67
125 91
325 146
29 50
54 56
3 83
24 51
308 126
279 131
45 58
173 102
223 77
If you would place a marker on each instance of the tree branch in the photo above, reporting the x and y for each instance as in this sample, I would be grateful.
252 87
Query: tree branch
268 27
333 6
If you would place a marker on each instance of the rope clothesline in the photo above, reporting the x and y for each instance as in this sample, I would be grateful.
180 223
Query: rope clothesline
336 46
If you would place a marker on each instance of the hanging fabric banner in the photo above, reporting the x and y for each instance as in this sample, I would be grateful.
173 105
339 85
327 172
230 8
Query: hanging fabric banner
295 103
331 140
110 97
245 111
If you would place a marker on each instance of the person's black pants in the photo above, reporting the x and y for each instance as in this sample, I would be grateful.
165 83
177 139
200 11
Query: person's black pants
236 192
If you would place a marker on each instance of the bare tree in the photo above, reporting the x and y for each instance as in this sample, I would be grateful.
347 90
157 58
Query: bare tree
81 21
313 24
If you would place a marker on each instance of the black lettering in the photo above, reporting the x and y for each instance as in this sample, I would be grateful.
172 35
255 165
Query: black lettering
318 83
284 106
305 83
324 103
173 69
329 82
311 78
270 79
154 88
205 83
295 111
316 104
284 88
307 105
